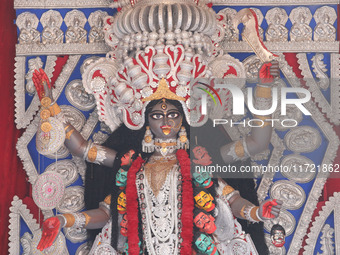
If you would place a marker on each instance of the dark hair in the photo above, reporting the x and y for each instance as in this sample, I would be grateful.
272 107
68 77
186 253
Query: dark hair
277 227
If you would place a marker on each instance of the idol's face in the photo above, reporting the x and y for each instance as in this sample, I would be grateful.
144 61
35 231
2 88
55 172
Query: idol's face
205 223
201 156
121 203
124 225
205 244
165 120
204 201
121 178
127 158
278 238
202 179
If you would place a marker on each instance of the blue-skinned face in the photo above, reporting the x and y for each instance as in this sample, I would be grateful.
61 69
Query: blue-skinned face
202 179
205 245
121 178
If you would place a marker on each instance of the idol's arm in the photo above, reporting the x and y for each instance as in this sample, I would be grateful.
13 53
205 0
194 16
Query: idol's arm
259 138
74 141
243 209
91 219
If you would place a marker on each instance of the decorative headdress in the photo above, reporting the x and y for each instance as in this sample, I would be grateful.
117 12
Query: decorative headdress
157 46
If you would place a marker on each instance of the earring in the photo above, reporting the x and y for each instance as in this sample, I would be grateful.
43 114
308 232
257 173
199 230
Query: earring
148 144
182 141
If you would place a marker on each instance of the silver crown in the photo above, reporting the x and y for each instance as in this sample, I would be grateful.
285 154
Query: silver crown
147 22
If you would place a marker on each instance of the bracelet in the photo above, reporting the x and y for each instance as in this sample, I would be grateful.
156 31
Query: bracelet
77 220
263 121
105 205
92 154
250 213
264 92
227 190
69 133
245 147
65 220
257 214
230 195
242 212
88 146
69 219
87 218
80 220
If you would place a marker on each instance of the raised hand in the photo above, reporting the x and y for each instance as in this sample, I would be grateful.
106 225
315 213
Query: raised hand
269 71
42 84
50 230
270 209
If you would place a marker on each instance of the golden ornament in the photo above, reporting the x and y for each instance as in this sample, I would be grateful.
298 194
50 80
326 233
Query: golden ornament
147 139
45 114
46 127
183 138
46 102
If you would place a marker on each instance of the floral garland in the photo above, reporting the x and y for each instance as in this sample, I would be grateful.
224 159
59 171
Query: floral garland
187 202
132 207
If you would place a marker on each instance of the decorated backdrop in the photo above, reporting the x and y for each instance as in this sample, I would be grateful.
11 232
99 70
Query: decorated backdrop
64 37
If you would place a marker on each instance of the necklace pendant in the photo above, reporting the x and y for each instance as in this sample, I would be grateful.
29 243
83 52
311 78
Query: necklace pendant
164 151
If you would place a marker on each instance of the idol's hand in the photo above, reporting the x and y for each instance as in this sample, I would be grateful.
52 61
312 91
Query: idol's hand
42 84
50 230
270 209
269 71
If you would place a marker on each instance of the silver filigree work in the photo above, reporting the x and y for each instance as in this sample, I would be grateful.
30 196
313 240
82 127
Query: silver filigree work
285 219
19 210
75 235
27 23
294 116
75 21
332 205
66 168
324 30
83 249
300 31
77 96
48 190
96 21
303 139
73 201
276 19
301 168
74 116
51 21
292 195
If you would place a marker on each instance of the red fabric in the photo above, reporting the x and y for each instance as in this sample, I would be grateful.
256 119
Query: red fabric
12 175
